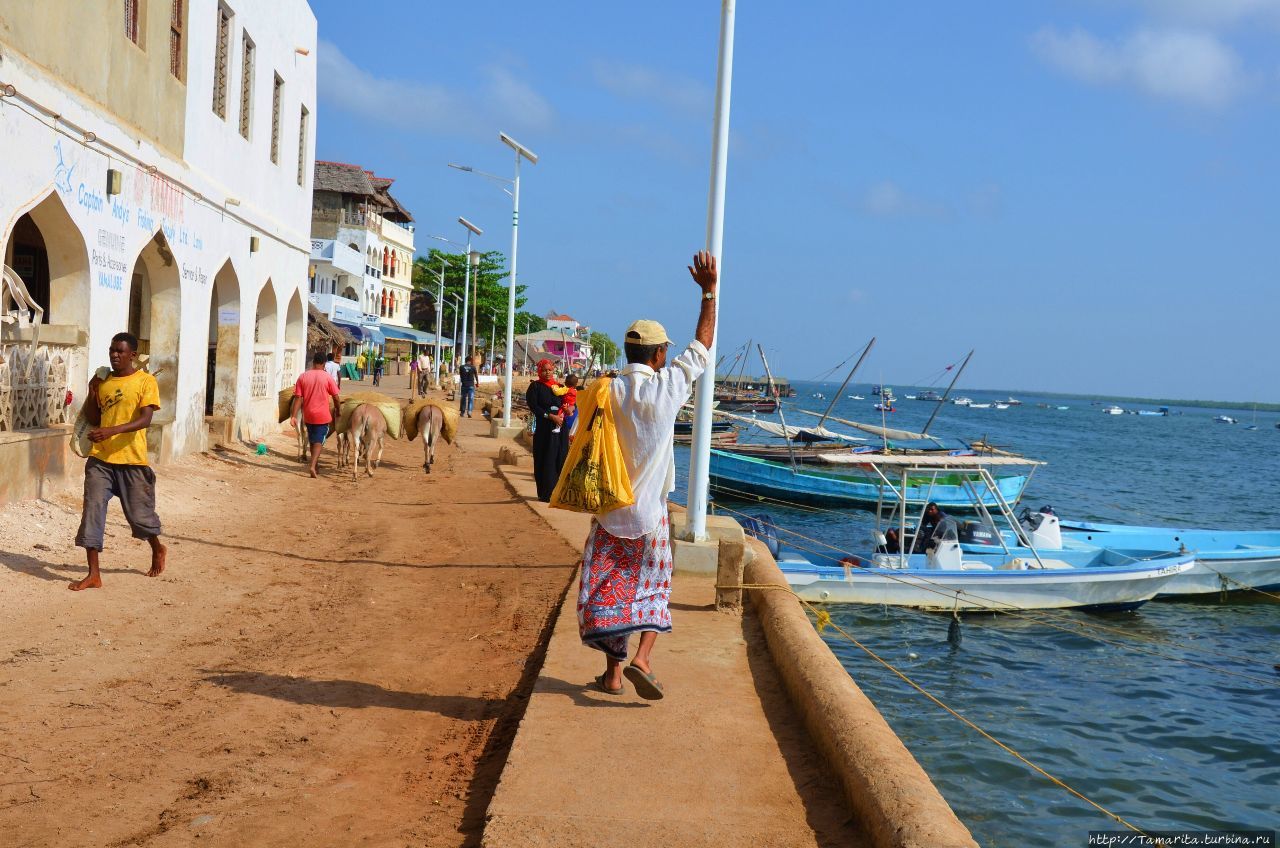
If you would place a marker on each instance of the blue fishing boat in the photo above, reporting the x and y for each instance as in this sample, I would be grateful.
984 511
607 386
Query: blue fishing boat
847 479
1225 560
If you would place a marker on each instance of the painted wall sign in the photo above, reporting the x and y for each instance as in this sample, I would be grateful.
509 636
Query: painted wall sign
228 316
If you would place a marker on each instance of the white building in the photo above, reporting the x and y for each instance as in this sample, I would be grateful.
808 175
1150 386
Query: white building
155 176
362 255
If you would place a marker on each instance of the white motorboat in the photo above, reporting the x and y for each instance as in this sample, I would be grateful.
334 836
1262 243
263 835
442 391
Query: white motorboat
1112 410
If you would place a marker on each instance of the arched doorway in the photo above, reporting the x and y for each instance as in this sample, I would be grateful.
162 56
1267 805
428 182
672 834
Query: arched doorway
224 344
262 381
47 251
155 317
295 340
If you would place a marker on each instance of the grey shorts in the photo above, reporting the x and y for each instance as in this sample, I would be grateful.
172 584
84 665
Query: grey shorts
134 485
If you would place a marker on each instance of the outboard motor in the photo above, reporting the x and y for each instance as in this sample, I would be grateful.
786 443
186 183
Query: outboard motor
1043 529
762 528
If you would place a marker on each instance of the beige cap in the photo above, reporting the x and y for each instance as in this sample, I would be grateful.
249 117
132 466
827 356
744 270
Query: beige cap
646 332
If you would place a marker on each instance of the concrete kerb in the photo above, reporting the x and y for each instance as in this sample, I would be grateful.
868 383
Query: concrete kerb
886 788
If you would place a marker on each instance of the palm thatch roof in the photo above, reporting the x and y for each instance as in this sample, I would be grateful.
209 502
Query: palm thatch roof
323 334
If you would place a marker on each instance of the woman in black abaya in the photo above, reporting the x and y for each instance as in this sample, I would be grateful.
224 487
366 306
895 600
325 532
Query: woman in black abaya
549 447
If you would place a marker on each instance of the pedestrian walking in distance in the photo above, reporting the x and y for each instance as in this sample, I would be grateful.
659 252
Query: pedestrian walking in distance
333 369
312 393
120 408
468 376
626 564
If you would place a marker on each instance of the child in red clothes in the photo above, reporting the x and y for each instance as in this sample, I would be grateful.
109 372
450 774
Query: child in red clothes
569 409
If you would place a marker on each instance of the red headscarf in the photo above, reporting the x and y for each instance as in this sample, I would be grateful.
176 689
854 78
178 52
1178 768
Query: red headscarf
547 365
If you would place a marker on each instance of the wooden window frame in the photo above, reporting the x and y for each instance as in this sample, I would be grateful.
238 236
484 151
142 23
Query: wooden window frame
303 122
248 57
277 102
221 59
177 40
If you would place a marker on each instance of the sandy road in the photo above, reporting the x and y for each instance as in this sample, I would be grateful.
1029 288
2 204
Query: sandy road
323 663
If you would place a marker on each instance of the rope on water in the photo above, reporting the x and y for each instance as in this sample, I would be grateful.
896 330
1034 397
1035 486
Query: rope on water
1044 617
822 620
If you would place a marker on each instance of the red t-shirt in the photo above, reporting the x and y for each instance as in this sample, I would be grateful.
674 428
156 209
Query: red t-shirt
315 387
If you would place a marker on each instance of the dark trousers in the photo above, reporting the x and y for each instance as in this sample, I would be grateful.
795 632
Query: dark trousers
134 485
467 400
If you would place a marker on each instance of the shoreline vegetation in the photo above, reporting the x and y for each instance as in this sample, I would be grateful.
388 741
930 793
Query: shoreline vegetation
1248 406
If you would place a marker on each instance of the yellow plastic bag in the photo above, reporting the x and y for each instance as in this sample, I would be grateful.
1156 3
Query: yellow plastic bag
594 477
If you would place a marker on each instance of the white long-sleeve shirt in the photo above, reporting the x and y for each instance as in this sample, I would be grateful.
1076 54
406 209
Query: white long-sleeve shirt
645 404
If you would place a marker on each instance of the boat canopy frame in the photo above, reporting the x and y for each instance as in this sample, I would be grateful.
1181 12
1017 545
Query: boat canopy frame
969 468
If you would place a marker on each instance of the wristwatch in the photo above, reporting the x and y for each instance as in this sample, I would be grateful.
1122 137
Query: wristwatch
708 295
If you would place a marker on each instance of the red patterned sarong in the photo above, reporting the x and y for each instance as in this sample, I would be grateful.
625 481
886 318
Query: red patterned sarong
626 584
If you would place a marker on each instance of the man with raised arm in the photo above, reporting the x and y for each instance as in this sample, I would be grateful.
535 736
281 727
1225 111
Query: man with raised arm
120 407
626 565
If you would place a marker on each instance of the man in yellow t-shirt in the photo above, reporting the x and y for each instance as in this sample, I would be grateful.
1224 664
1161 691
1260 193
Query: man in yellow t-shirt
120 408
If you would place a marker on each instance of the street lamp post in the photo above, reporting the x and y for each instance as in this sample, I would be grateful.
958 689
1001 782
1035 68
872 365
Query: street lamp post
466 286
440 315
700 449
520 152
454 341
493 337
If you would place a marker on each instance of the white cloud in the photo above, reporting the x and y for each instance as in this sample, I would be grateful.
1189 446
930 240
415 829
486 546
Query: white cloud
503 101
637 82
1185 65
886 199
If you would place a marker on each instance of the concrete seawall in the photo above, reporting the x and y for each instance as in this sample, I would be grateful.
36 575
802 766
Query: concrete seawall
894 800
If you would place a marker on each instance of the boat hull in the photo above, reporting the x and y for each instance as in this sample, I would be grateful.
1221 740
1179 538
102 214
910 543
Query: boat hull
1110 589
743 476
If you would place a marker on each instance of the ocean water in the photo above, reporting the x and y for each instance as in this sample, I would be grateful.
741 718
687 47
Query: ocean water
1169 743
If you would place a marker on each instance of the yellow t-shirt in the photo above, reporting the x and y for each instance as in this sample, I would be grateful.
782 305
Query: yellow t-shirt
120 398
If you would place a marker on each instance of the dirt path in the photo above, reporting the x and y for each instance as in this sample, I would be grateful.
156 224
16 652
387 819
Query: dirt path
323 663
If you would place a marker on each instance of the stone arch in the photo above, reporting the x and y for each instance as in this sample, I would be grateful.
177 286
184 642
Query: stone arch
46 249
155 317
265 324
223 365
295 339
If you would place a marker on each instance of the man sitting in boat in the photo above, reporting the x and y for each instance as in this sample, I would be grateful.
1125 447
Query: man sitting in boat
935 527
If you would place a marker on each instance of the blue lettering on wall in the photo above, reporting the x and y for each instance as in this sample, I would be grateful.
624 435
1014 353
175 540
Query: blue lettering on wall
111 281
120 212
145 221
90 199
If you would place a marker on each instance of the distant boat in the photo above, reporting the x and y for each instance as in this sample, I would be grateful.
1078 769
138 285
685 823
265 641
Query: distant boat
1112 410
1225 419
962 401
1253 424
856 397
928 394
1013 401
911 397
819 395
1152 412
1064 407
1002 406
979 405
884 407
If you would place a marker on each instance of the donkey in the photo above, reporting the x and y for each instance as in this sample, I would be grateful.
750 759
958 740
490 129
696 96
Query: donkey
368 430
300 428
430 422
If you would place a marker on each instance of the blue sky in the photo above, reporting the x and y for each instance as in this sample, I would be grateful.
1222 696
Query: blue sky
1086 191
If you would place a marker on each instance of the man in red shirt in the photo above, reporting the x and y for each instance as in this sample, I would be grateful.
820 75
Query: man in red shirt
312 393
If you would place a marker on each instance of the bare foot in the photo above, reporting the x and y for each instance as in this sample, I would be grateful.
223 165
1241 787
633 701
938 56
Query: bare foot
314 475
158 554
93 581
